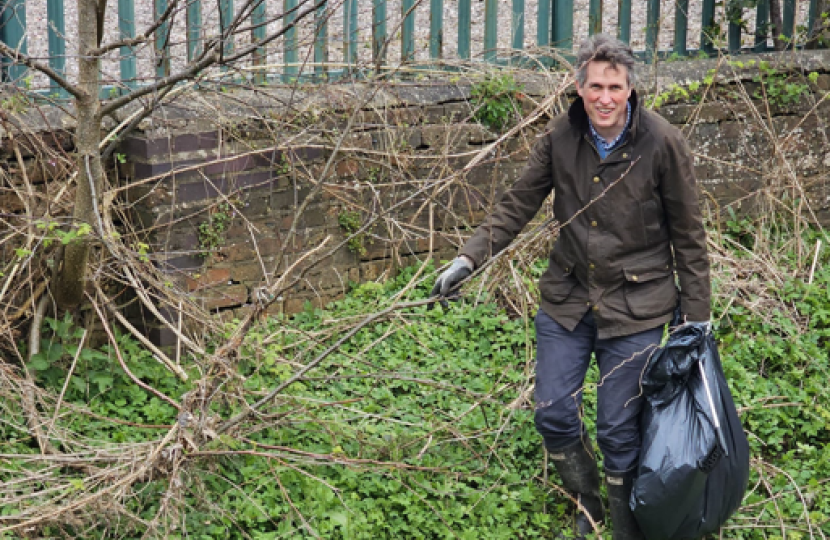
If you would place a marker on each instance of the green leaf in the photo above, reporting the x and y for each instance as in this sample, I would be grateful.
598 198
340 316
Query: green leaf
340 518
54 353
103 381
39 362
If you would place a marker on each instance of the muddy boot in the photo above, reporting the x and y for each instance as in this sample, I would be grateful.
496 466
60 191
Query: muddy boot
577 468
623 524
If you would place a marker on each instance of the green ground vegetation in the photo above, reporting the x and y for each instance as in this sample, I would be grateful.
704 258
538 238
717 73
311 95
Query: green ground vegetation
420 426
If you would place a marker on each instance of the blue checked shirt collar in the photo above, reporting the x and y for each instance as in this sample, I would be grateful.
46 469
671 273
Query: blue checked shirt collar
604 147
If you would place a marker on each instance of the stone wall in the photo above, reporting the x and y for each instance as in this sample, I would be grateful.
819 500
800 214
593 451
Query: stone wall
317 160
394 146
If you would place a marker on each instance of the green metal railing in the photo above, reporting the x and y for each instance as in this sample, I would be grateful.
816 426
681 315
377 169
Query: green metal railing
554 25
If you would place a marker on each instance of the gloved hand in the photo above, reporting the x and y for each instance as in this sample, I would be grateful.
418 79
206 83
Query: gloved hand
449 279
706 325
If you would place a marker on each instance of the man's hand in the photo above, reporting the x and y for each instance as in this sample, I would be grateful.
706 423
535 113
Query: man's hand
460 268
707 325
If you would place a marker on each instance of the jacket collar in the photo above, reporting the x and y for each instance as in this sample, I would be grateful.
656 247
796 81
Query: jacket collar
579 118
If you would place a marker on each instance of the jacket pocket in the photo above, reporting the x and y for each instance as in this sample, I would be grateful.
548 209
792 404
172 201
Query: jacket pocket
650 293
558 281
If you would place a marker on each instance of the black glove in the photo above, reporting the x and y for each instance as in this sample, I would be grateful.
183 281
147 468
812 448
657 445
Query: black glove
450 278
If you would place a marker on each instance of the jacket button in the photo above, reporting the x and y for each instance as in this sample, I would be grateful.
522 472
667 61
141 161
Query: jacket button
567 269
596 308
591 266
596 179
633 278
593 224
625 156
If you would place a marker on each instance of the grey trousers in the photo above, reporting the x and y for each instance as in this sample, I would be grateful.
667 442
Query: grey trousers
562 360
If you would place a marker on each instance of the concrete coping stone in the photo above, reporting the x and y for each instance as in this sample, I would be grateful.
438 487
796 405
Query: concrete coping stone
200 110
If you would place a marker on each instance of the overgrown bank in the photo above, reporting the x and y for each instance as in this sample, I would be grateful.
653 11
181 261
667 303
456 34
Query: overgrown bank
376 416
418 426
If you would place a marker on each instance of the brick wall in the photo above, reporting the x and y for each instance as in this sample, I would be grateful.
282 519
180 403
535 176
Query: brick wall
268 161
404 163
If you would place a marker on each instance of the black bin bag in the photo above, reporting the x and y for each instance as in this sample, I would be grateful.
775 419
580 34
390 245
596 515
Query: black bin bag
694 463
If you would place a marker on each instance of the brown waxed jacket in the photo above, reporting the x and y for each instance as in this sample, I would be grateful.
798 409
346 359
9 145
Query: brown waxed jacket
624 235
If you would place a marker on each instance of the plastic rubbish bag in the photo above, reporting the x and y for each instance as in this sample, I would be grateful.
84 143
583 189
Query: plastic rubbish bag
694 462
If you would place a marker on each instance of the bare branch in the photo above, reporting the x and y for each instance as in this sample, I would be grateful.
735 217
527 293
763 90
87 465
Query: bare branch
140 39
121 361
17 56
190 72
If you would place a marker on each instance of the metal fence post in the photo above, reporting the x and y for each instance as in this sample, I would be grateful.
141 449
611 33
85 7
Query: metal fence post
652 29
407 31
225 18
321 48
194 27
789 23
706 25
761 26
289 40
464 20
126 28
562 32
624 21
812 13
258 33
13 34
161 41
379 35
517 32
436 28
57 42
491 13
350 32
734 14
681 27
543 20
595 17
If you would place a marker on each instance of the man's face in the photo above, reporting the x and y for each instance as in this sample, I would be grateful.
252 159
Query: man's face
605 94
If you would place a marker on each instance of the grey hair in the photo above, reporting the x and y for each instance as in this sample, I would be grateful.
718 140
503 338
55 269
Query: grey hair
604 48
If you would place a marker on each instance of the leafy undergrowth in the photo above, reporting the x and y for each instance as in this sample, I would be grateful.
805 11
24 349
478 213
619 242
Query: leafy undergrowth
419 426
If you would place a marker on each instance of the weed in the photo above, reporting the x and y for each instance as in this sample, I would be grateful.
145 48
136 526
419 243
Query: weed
212 232
351 223
52 232
676 92
780 88
16 103
495 100
284 166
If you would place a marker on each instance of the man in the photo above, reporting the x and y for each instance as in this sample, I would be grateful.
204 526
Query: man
625 189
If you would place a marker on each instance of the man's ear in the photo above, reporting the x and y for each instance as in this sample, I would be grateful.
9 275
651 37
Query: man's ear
578 88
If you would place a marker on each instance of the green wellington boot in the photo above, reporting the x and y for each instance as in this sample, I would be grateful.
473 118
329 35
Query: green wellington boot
577 468
623 524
